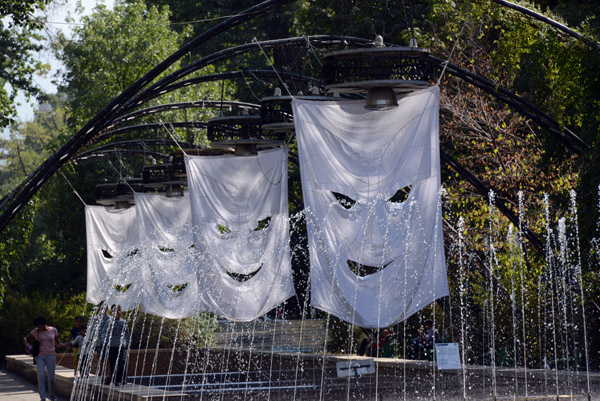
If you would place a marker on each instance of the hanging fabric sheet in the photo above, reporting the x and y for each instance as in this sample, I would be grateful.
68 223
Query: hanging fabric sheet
239 209
113 259
166 242
375 257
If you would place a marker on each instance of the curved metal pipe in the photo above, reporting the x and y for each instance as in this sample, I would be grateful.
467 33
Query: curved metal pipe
524 107
231 75
316 41
125 145
102 153
13 203
549 21
181 106
152 126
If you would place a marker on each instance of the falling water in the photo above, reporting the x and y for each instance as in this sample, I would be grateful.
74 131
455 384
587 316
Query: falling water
513 305
463 285
491 263
560 315
550 273
579 278
523 288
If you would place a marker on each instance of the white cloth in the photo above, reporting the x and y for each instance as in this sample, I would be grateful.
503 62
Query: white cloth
143 256
113 259
368 156
166 239
243 272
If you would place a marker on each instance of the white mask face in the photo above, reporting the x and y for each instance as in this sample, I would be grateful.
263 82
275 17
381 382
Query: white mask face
239 206
371 183
113 256
171 282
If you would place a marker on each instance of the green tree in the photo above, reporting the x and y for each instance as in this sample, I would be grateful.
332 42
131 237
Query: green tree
19 41
29 144
110 51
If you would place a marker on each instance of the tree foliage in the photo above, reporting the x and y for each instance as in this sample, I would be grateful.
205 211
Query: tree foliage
19 41
110 51
502 147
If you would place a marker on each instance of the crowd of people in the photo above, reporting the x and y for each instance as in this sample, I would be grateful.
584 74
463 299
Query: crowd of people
105 335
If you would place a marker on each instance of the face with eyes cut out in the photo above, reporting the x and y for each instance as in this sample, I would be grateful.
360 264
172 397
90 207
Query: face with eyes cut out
239 205
236 204
370 182
368 237
113 256
166 236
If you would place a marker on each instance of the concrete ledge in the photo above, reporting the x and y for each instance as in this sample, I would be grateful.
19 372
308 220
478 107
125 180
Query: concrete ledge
23 366
65 381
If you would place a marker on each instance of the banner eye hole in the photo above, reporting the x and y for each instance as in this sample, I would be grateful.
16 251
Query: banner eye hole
344 200
401 195
222 229
262 224
122 288
178 287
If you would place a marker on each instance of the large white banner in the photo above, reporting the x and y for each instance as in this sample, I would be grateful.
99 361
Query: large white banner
143 256
166 238
240 215
113 259
375 260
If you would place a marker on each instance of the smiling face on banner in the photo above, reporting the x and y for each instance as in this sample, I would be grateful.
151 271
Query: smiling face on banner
166 240
239 207
113 259
371 185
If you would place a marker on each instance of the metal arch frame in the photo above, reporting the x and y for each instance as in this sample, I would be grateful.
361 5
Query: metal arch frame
102 153
123 146
546 20
12 203
150 126
180 106
522 105
159 87
231 75
128 100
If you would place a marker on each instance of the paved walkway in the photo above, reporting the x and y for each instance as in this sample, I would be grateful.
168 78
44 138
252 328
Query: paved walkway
15 388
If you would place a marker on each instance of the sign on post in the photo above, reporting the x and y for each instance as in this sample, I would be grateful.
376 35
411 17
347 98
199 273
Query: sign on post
355 367
447 356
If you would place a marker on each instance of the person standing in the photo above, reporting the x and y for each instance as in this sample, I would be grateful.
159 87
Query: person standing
96 337
428 337
119 343
79 322
47 336
85 349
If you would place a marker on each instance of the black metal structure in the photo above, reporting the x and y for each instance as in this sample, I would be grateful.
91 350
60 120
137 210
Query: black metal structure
546 20
21 195
405 65
418 67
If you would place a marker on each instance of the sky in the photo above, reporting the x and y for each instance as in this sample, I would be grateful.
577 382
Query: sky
57 15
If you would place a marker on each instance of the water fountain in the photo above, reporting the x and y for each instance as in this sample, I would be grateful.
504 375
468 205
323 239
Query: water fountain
521 333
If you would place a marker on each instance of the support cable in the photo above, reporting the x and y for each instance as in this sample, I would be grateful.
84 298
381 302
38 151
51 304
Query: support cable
445 63
172 137
73 188
121 176
254 40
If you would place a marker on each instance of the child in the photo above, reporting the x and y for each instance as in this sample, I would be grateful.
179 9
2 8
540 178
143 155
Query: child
74 332
84 350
